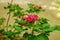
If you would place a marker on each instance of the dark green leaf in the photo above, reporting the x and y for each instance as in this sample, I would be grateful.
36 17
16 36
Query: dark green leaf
17 21
2 20
1 30
25 36
16 7
44 20
9 34
42 37
37 27
28 36
30 25
18 13
31 37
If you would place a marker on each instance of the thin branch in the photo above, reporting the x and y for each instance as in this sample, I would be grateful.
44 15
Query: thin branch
8 19
9 14
11 1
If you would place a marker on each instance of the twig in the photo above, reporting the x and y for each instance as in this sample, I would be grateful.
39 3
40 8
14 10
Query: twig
8 19
9 13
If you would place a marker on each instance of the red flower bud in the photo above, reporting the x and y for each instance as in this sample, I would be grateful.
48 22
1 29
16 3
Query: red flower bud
38 8
32 4
41 22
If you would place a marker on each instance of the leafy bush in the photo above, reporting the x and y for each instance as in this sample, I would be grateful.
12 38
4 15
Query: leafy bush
29 20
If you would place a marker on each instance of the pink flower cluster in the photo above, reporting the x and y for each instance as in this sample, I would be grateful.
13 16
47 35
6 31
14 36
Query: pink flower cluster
31 18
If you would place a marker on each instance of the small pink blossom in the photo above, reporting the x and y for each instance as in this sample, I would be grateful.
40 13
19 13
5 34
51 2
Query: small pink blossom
35 17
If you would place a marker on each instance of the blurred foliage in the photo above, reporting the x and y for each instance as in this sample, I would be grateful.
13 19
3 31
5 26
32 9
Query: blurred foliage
41 25
15 9
34 8
2 20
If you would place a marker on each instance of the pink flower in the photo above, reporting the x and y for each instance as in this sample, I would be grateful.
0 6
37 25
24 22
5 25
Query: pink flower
35 17
31 18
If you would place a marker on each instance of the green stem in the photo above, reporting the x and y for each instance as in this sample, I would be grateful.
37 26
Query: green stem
32 31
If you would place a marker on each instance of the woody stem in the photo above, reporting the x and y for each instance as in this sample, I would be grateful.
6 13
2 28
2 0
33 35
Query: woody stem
9 14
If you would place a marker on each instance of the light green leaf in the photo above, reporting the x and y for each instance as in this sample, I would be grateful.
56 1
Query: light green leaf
18 28
37 27
57 28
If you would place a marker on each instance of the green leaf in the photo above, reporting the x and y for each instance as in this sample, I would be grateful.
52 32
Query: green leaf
32 37
57 28
37 27
8 39
17 21
30 11
16 7
9 26
20 21
18 28
18 13
23 21
2 19
7 7
0 23
11 10
41 10
35 6
42 37
25 36
1 30
44 20
29 36
30 6
29 25
9 34
37 12
45 26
